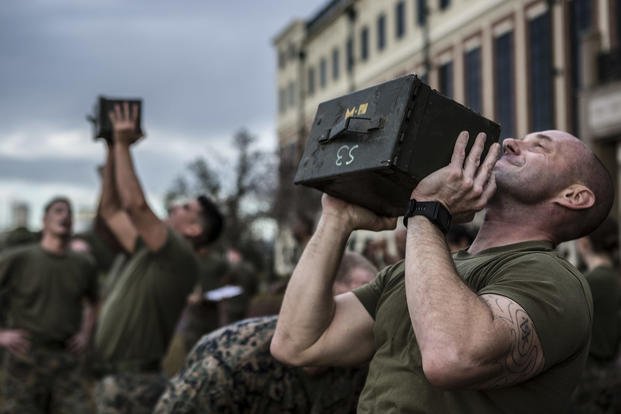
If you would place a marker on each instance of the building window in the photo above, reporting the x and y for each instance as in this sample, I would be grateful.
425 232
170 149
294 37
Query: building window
281 59
364 43
282 97
381 32
335 63
349 47
444 4
504 87
541 73
445 79
580 17
323 72
291 52
400 20
582 11
311 81
421 12
472 78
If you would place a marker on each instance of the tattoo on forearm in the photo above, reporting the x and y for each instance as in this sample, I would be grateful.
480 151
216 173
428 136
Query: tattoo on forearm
525 357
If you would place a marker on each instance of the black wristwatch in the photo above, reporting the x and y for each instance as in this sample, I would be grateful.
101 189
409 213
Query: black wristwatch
433 210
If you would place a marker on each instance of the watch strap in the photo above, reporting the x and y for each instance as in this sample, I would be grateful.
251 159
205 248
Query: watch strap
433 210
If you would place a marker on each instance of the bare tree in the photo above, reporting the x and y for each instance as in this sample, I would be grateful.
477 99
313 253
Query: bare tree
245 195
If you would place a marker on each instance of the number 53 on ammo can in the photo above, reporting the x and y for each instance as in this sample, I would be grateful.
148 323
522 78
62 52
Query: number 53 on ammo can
373 146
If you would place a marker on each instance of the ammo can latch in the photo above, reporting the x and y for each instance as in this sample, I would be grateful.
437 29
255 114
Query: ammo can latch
352 125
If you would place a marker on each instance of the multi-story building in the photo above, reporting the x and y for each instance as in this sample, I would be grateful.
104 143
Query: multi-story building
528 64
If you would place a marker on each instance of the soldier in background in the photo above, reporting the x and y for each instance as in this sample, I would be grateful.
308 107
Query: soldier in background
146 298
600 388
52 295
243 275
231 370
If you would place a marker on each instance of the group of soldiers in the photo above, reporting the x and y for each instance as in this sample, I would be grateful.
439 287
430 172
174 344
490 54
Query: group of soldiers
77 341
60 316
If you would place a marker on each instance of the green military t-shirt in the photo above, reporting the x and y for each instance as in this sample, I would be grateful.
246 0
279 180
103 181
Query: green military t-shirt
553 293
141 311
604 283
44 291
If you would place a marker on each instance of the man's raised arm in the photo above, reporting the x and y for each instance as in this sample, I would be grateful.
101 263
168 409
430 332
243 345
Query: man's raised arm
152 230
315 328
110 210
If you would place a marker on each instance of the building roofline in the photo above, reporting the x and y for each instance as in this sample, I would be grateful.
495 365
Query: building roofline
327 14
287 30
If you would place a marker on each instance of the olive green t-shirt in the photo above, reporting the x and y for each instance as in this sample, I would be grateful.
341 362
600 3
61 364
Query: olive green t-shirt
604 283
44 291
553 293
142 308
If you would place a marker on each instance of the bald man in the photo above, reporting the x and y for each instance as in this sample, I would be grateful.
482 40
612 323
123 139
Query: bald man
503 326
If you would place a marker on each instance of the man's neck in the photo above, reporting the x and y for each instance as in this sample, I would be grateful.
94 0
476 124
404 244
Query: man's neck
54 244
504 226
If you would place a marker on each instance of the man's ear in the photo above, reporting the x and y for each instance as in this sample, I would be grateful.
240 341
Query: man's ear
576 197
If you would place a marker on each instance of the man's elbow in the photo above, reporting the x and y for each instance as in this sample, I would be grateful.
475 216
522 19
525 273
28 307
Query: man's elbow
446 369
283 352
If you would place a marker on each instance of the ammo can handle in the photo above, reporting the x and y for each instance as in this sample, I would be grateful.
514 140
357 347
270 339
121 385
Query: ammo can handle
350 126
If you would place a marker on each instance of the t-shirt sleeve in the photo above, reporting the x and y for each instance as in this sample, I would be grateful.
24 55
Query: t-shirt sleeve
369 294
555 299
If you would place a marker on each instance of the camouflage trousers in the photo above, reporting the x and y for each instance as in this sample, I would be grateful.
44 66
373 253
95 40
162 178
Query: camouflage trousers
129 392
46 381
599 390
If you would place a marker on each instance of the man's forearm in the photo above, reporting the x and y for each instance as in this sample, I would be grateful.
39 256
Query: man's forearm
450 321
129 189
308 305
109 202
89 317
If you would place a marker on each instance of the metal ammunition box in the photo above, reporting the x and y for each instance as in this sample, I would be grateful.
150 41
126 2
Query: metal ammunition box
373 146
101 121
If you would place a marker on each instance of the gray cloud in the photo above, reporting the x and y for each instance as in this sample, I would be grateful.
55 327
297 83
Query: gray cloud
204 69
197 64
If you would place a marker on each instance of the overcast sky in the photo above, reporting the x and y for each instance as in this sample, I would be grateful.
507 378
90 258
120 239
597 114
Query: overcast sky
204 68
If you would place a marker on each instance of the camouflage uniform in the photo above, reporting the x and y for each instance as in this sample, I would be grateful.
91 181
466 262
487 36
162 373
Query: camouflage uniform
232 371
47 380
129 392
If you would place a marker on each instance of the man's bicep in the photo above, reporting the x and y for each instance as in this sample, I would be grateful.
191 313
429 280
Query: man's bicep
348 340
524 356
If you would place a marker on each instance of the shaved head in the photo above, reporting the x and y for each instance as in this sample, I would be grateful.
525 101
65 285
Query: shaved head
584 167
